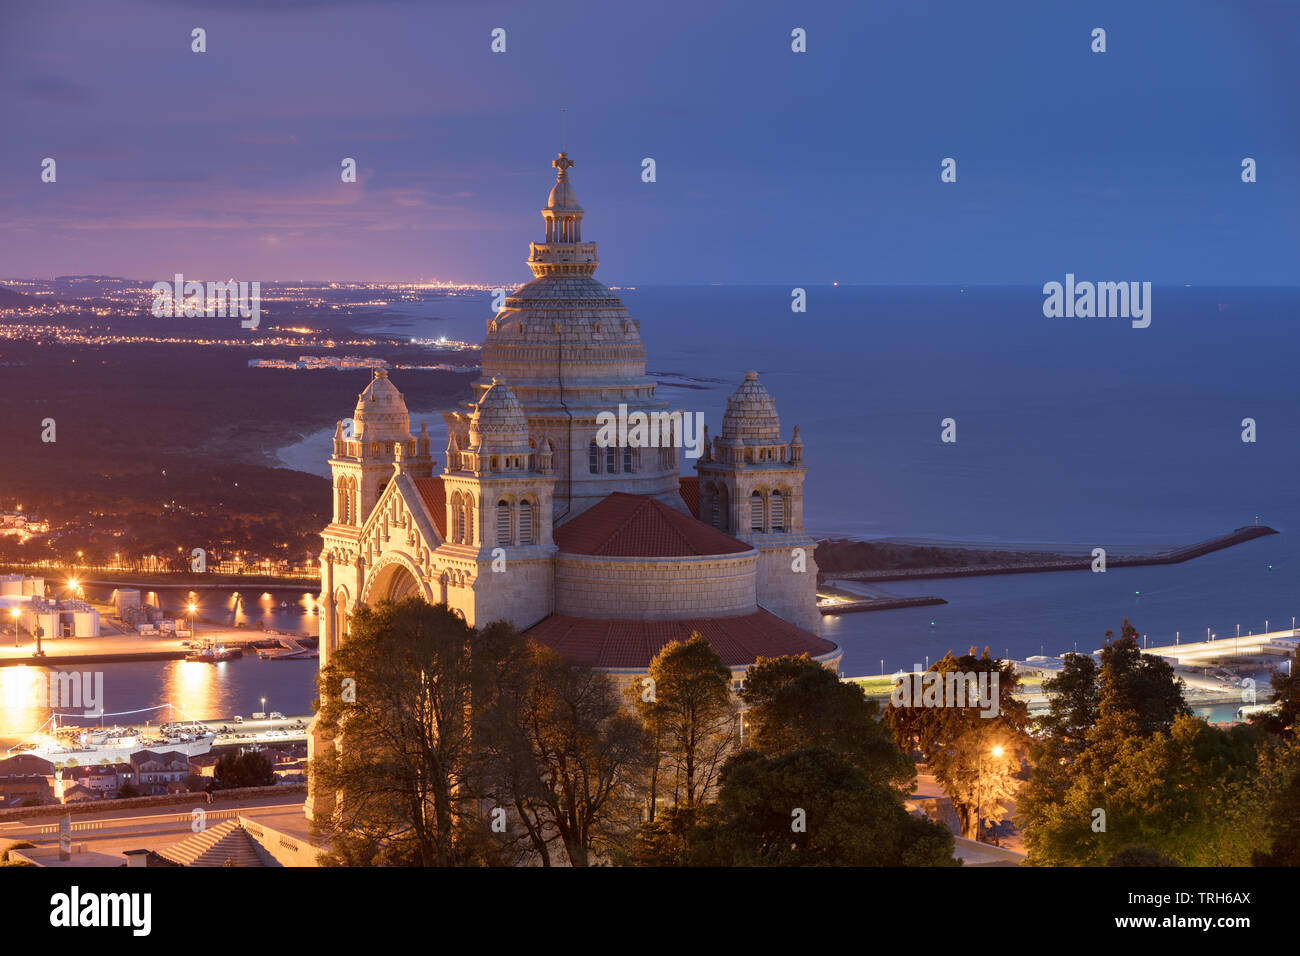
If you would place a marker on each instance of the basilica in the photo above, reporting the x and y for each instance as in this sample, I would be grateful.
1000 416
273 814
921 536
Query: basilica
603 551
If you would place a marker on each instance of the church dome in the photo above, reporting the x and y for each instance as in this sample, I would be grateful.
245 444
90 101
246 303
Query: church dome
751 416
563 196
498 425
381 413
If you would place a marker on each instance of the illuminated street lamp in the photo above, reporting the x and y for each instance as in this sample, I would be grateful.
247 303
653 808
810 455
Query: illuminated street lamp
191 607
979 791
13 612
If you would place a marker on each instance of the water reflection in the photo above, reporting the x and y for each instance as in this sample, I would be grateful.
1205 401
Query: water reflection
136 693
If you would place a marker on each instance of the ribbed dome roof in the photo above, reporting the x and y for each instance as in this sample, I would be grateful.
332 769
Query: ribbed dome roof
498 425
751 414
563 196
381 413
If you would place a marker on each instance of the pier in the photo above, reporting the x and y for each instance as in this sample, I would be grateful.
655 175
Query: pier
1080 563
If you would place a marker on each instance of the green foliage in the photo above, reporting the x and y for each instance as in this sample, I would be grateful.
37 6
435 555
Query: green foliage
560 751
1286 694
691 716
1194 795
1142 686
803 808
248 769
795 703
1133 855
973 757
1280 769
1165 781
406 737
1074 705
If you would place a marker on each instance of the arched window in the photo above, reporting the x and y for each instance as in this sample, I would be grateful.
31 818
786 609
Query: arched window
723 509
469 520
593 458
756 512
526 522
627 458
715 512
457 518
610 466
778 511
503 522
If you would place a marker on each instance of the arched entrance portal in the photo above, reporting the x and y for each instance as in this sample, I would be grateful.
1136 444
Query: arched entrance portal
394 581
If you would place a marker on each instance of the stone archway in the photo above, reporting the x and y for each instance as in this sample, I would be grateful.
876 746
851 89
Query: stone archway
395 578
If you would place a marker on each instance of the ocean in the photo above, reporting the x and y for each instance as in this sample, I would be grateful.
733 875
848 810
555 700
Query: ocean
1071 434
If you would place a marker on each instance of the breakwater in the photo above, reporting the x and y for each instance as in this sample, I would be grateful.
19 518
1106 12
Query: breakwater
1071 563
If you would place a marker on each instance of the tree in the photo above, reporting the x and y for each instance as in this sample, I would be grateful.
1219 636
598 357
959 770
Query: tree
688 709
1280 768
1193 794
803 808
795 703
1133 855
402 725
1074 704
247 769
973 750
559 748
1142 685
1286 695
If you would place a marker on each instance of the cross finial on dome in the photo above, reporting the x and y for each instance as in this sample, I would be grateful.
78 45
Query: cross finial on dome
563 164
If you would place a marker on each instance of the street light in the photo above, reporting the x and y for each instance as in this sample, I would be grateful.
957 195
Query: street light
192 608
13 612
979 792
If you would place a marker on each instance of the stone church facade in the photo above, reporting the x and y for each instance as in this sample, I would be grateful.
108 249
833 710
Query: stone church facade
604 552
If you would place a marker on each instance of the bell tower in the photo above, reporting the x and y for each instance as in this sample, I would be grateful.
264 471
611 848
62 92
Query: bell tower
751 487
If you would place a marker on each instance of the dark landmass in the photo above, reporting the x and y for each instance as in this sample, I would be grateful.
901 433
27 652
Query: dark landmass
840 556
885 561
10 299
165 447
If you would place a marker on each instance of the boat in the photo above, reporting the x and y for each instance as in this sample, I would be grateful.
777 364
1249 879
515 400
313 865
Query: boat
208 654
112 746
72 745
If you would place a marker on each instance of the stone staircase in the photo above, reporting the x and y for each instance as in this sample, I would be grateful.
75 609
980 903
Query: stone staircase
216 845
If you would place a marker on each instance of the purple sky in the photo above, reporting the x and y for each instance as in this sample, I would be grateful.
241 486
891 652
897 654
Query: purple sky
772 166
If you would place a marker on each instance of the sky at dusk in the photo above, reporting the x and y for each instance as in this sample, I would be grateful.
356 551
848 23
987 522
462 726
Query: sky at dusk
772 166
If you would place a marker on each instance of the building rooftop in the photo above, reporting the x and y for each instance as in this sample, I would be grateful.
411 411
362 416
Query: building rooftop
622 643
638 526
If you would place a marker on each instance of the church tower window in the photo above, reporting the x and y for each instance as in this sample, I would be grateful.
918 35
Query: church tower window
778 511
457 518
627 458
756 512
503 522
593 458
526 523
610 466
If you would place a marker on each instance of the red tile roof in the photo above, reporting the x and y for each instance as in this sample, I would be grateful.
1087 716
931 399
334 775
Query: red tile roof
434 495
690 491
594 642
638 526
